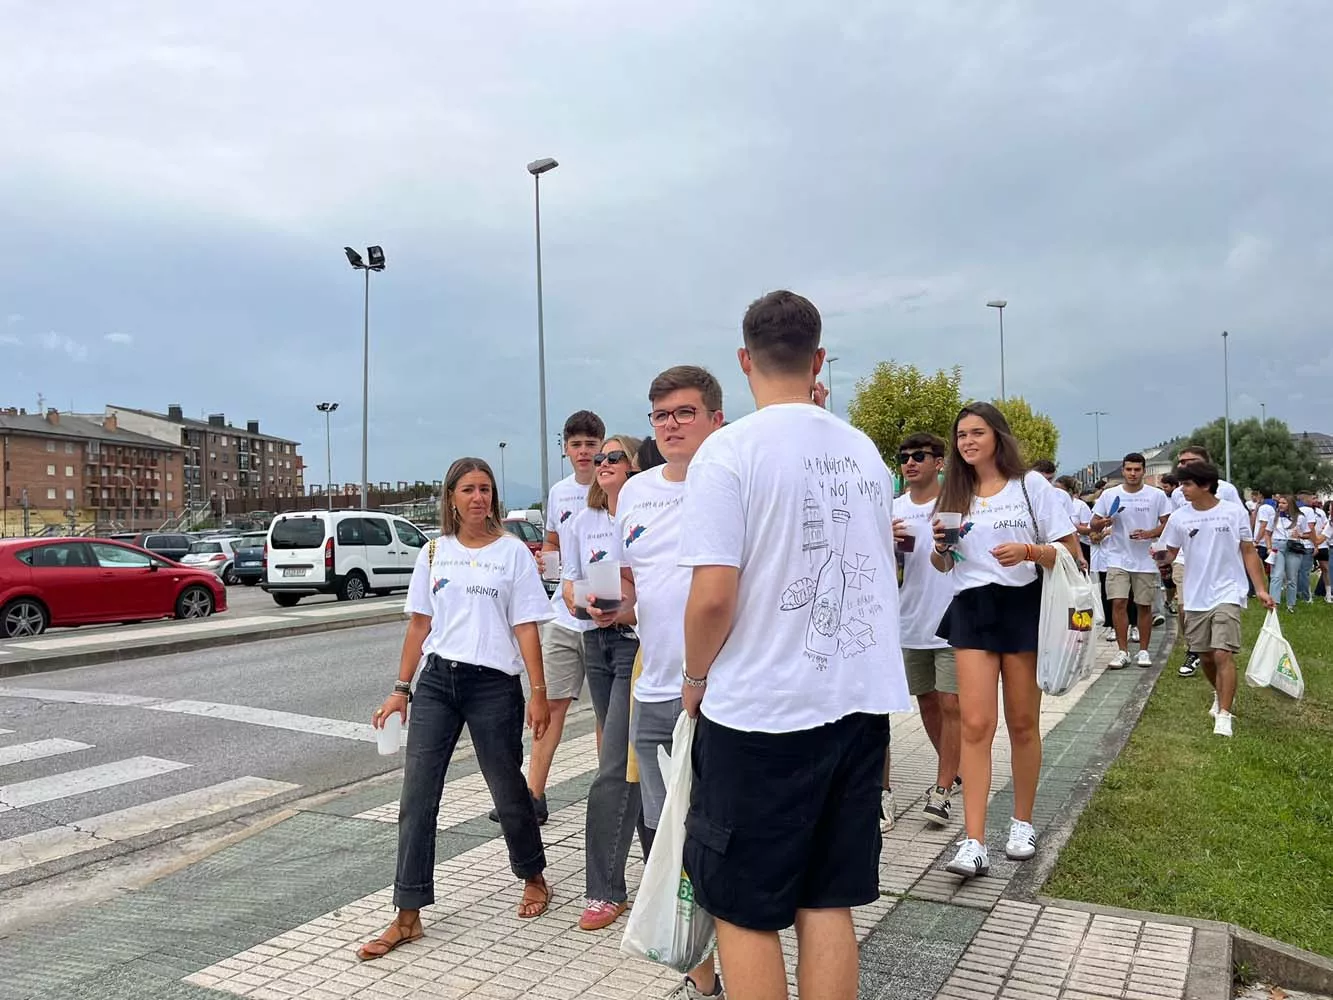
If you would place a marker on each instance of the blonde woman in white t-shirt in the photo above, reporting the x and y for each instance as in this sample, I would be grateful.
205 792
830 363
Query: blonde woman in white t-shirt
1012 521
475 602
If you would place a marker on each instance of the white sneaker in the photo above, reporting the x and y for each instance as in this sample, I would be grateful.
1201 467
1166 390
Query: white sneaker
1215 709
688 991
971 860
1120 662
886 808
1222 727
1133 633
1108 634
1022 840
1144 658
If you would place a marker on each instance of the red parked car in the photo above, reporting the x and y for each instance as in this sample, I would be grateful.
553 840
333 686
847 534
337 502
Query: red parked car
46 582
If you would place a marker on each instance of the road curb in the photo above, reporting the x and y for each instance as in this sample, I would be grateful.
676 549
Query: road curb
166 647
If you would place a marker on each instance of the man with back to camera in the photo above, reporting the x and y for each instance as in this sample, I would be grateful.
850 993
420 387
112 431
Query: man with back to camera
1135 515
792 662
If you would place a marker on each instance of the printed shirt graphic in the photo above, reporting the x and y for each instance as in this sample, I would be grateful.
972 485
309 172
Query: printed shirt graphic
801 503
475 597
926 592
1285 528
592 539
1210 539
1142 510
563 504
1005 518
648 519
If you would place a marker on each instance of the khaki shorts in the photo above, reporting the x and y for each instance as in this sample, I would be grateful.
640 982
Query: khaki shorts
1215 629
930 670
562 658
1178 578
1121 583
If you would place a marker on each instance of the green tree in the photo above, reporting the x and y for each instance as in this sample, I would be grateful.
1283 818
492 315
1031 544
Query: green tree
896 400
1263 456
1036 432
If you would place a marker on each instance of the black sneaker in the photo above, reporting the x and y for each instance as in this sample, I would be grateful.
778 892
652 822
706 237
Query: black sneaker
538 804
1191 665
937 806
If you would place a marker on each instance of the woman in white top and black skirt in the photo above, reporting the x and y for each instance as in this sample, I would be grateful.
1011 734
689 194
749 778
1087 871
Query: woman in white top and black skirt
475 601
1012 519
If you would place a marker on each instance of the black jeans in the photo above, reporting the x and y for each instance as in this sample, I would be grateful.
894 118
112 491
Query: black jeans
450 694
613 801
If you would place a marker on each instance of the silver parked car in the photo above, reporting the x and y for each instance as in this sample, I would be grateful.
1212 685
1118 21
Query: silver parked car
217 555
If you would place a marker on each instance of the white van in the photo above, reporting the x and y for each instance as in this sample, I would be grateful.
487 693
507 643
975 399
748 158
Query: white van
350 553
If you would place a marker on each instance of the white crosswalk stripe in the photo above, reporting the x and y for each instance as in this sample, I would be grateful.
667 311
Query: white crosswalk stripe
89 779
38 749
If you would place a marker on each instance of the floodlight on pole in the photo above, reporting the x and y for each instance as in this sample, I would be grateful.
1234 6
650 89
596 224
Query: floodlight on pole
327 409
375 256
1097 431
537 168
829 361
1000 304
1226 403
503 484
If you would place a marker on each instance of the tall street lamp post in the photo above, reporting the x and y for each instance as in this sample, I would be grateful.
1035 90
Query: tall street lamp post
1226 403
327 409
1097 431
504 490
1000 304
829 362
537 168
374 262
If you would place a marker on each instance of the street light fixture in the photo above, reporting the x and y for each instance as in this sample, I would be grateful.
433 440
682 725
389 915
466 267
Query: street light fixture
537 168
1097 430
503 484
1000 304
376 263
829 361
1226 402
327 409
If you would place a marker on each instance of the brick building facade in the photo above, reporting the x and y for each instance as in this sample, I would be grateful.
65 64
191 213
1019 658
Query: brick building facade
60 467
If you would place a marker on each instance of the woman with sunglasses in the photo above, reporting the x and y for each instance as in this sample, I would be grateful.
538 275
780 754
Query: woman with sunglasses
608 651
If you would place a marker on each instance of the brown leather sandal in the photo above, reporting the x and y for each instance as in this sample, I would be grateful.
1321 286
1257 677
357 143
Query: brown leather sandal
384 944
536 898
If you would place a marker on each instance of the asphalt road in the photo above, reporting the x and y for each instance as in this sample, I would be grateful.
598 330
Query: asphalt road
218 717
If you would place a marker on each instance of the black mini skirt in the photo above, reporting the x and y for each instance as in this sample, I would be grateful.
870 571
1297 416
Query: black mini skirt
994 617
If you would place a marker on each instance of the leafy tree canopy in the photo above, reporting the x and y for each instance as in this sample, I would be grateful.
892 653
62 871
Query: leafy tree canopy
1263 456
896 400
1036 432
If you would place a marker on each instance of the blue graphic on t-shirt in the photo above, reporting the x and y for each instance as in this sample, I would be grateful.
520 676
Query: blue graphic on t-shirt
439 585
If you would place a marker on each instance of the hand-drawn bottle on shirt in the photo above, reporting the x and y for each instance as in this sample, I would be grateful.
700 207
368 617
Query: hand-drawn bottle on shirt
821 635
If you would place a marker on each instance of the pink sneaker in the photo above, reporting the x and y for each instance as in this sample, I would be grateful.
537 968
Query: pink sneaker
599 914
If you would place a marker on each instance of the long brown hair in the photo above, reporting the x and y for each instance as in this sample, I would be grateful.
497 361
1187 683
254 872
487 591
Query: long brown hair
597 498
450 522
960 479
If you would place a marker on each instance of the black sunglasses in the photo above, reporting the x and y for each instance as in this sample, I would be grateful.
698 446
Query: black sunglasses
614 457
915 456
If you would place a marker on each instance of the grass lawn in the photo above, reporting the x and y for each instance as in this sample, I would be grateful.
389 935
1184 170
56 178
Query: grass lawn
1237 830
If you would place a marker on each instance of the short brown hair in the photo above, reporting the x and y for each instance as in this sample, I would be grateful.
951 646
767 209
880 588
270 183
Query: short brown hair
925 441
597 498
584 423
449 520
688 377
781 331
1196 449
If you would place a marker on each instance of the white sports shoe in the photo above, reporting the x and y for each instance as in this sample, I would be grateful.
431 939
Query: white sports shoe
1215 709
886 807
1222 727
1133 633
1144 658
971 860
1022 840
1120 662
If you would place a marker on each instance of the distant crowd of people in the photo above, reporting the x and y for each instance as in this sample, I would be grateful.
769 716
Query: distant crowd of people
772 586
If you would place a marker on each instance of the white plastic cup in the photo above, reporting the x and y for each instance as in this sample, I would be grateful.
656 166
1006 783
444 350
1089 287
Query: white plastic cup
604 580
550 565
952 524
389 737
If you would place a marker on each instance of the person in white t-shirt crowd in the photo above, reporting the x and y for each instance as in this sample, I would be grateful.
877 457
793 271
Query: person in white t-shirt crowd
1308 507
1320 537
562 637
1007 521
1047 469
1286 543
609 650
475 601
1262 522
1132 515
932 675
1219 553
1080 515
792 661
686 406
1168 484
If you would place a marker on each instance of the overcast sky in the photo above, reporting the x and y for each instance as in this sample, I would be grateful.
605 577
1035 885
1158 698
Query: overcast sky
179 179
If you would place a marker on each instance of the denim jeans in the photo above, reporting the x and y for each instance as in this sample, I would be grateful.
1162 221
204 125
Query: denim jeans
613 802
450 694
1303 581
1286 573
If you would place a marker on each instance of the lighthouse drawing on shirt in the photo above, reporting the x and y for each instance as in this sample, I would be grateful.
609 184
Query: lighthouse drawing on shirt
821 635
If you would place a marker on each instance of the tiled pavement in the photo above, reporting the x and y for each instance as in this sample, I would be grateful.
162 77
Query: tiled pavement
279 915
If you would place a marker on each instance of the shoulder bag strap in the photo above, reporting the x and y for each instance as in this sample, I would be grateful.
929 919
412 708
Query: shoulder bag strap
1036 528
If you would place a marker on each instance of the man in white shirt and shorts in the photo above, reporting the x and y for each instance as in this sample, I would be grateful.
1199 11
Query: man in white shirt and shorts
792 662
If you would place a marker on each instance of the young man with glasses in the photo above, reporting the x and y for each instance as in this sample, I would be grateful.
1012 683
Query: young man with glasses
686 408
792 662
924 596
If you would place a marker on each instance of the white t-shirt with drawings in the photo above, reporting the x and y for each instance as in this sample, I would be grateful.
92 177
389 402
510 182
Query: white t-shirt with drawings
475 597
565 500
1211 540
1140 510
649 522
1285 528
801 503
1004 518
926 592
592 538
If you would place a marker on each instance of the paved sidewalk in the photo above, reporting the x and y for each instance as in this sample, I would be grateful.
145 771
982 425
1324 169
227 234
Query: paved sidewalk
279 915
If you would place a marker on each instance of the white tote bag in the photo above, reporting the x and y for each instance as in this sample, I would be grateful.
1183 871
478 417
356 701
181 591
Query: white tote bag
666 925
1272 662
1070 611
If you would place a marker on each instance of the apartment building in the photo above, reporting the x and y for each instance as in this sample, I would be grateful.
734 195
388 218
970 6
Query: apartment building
222 461
59 467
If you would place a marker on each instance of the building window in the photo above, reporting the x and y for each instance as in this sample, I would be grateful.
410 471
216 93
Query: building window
50 470
50 446
170 496
69 470
69 447
69 495
51 493
168 477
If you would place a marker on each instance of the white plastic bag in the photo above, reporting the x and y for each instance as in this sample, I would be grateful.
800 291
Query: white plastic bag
1272 662
1070 611
665 925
